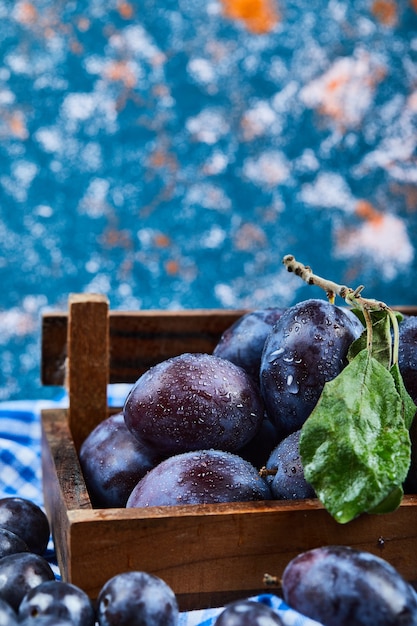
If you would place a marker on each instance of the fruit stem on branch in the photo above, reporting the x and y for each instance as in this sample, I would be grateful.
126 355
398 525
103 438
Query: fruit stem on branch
352 297
264 471
306 274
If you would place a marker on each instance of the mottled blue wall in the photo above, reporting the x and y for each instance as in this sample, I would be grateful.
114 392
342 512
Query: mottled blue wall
169 154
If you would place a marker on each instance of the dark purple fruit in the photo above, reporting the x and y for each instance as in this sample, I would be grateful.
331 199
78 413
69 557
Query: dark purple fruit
340 586
21 572
288 481
194 401
407 363
46 620
113 461
243 342
137 599
248 613
59 599
27 520
259 448
407 354
10 543
306 348
200 477
8 616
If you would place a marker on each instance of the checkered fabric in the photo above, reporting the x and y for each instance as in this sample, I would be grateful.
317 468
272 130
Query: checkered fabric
20 475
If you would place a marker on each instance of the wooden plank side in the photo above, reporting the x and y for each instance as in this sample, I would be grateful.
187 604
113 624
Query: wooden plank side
217 550
59 448
63 483
141 340
207 553
53 348
138 340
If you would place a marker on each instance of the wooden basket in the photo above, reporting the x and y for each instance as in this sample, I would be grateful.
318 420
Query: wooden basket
208 554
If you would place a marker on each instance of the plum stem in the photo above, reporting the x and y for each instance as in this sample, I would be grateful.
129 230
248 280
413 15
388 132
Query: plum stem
352 297
271 581
265 471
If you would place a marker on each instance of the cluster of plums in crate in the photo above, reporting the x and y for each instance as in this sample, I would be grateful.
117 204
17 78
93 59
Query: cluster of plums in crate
334 585
197 428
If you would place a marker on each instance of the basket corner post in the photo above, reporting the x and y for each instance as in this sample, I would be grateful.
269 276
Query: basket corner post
87 363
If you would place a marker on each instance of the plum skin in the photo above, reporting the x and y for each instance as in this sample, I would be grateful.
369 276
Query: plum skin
136 598
307 347
289 482
243 342
21 572
59 599
194 401
200 477
248 613
113 461
340 586
27 520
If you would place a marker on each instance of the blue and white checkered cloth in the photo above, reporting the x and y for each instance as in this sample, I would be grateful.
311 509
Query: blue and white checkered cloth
21 475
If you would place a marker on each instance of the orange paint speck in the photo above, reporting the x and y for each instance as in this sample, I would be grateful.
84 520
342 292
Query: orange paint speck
172 267
113 238
413 4
83 24
248 237
368 212
162 241
75 47
158 159
385 12
126 10
259 16
120 71
17 126
26 13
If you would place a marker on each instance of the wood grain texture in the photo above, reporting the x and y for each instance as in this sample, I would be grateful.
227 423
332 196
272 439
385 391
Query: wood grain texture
138 340
207 553
87 371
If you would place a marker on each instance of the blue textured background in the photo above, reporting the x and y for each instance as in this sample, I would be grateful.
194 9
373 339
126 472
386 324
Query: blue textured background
169 154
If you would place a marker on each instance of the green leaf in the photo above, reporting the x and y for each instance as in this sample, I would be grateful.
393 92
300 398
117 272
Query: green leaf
390 503
408 406
381 339
355 447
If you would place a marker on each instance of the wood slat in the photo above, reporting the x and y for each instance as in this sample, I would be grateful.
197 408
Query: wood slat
87 370
138 340
205 552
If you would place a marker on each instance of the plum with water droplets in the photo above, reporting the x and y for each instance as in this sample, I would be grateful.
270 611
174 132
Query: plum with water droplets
243 342
200 477
258 449
194 401
407 354
286 474
113 461
407 363
307 347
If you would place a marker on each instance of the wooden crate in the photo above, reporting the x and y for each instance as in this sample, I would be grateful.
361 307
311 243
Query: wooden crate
209 554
